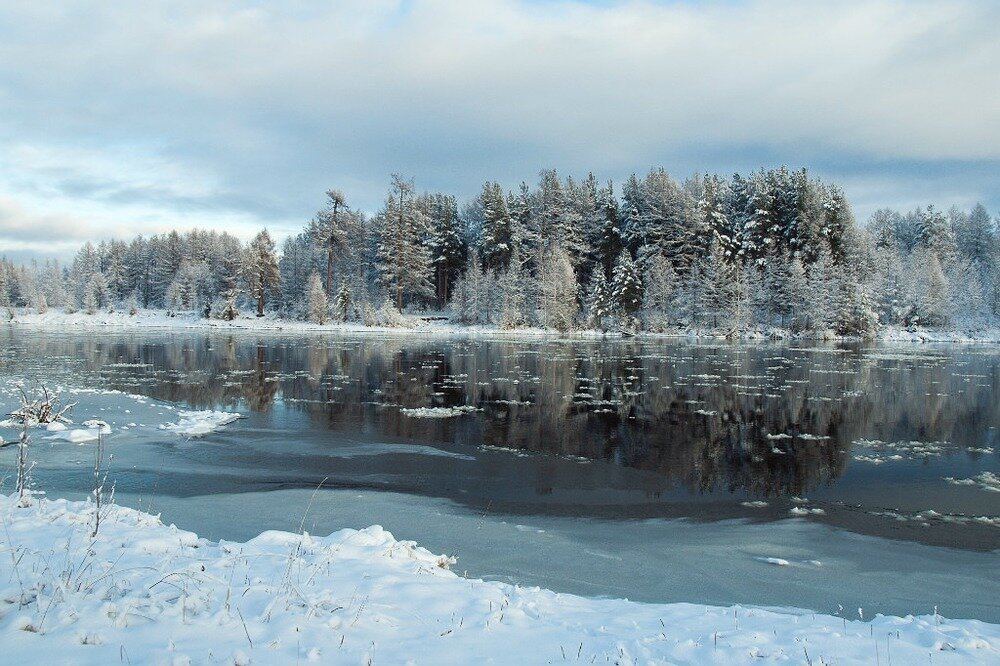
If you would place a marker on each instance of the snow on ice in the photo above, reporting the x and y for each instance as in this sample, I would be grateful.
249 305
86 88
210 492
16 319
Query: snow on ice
199 423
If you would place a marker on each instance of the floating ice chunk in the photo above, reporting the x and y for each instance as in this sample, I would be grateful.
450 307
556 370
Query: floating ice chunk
806 511
438 412
88 433
756 504
96 424
199 423
76 435
985 481
776 561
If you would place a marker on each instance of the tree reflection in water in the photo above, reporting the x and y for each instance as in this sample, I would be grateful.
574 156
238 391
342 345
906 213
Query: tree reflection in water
771 419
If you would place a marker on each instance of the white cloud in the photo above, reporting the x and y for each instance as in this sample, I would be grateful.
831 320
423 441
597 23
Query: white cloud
250 110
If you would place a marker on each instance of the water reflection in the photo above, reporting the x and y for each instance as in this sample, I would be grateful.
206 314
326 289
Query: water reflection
773 420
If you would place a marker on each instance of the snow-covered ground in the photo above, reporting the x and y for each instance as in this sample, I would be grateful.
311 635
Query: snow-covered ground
159 319
143 592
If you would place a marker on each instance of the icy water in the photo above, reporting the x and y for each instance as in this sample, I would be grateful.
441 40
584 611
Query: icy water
768 474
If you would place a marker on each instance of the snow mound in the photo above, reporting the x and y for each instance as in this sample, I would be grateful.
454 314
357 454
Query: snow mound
199 423
157 594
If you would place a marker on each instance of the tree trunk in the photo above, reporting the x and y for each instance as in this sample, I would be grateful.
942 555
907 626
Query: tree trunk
329 273
329 255
260 303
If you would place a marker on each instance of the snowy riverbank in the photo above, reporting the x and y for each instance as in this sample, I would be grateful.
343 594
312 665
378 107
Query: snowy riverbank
160 319
142 592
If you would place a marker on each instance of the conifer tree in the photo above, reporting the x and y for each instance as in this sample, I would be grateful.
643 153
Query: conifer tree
497 238
260 268
342 303
626 285
599 303
558 290
329 232
316 301
404 261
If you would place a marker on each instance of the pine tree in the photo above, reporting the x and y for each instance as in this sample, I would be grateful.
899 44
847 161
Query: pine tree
512 296
626 286
660 283
4 284
316 301
935 234
342 303
225 308
837 222
817 311
497 238
752 213
525 227
609 238
976 237
561 222
934 304
260 269
445 241
713 209
558 290
599 303
95 294
329 232
402 257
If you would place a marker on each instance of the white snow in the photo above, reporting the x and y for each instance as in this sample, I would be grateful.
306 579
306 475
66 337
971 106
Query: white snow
142 592
88 433
437 412
985 481
160 319
199 423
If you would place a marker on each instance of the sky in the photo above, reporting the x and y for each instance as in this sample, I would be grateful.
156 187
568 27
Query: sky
125 118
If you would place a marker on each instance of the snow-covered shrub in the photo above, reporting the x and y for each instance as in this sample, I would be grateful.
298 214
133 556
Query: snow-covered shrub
389 317
225 307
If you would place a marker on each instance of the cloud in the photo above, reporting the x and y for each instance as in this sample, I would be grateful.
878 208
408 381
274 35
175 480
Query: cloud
213 112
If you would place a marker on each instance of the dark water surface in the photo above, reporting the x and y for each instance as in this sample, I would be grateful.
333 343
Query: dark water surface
859 437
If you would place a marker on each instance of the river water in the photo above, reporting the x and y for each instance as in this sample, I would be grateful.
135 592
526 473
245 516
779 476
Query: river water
775 474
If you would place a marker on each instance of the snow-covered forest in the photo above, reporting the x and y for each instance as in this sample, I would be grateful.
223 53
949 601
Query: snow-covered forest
772 249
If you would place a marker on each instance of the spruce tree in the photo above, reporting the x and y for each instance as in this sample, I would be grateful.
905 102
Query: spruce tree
626 285
599 303
342 303
403 259
260 268
316 301
497 239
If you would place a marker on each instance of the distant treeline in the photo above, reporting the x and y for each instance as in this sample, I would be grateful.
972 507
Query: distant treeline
774 248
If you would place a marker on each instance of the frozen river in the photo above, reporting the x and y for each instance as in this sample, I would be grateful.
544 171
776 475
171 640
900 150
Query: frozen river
768 474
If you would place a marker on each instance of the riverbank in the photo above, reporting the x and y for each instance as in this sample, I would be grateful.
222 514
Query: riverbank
144 592
436 325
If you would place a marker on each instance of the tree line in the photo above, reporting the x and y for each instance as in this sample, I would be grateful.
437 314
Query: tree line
774 248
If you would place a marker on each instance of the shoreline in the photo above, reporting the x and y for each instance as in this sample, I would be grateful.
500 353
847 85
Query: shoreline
156 592
160 320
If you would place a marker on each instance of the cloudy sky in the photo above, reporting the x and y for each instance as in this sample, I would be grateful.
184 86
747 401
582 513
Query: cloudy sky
118 118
